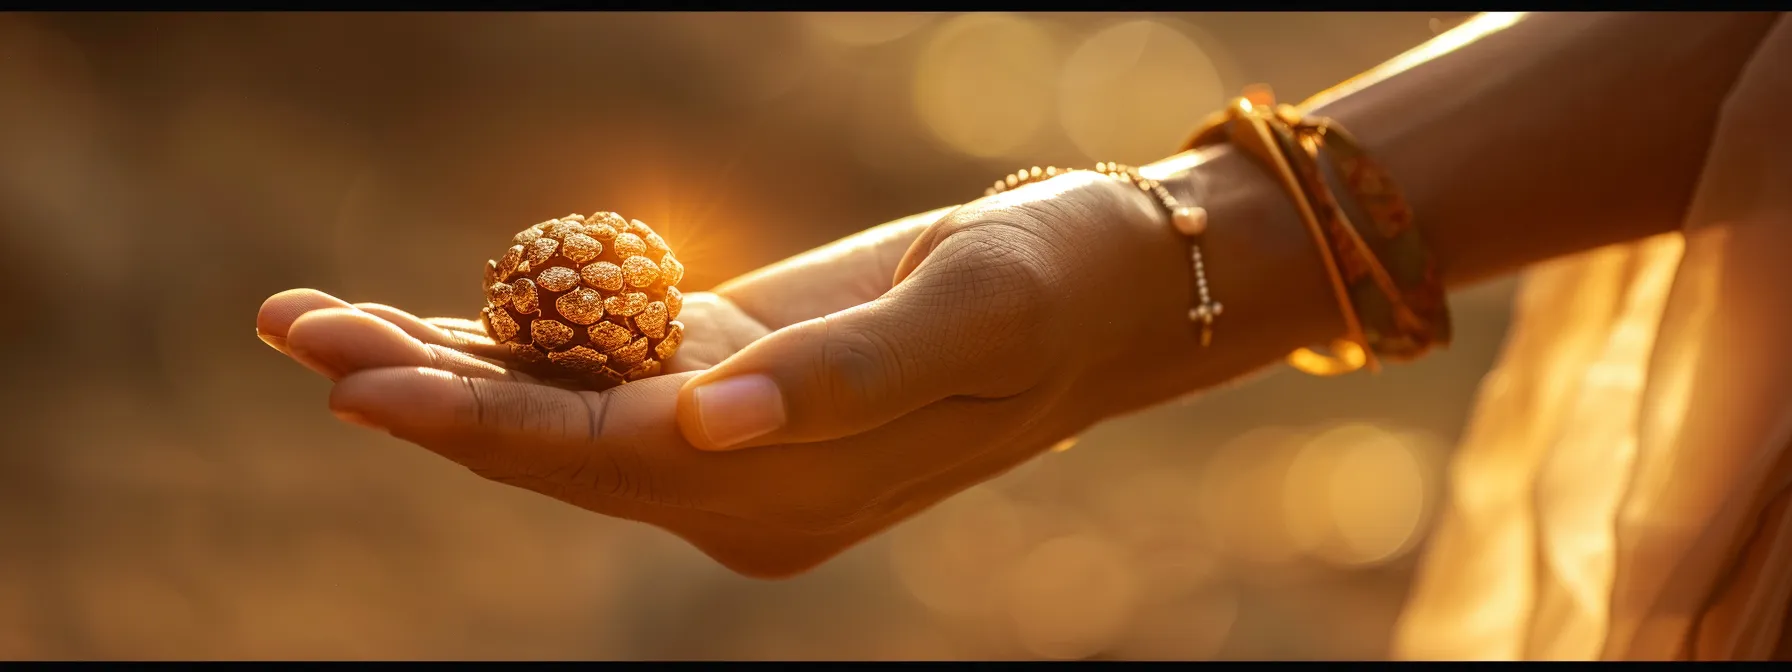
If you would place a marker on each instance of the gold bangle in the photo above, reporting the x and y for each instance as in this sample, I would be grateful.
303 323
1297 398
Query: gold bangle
1397 312
1189 220
1397 282
1251 126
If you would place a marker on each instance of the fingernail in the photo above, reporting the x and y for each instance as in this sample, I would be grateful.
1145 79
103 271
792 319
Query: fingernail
354 418
738 410
274 342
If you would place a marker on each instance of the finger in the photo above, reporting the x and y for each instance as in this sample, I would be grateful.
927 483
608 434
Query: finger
619 453
417 327
468 327
830 278
856 369
340 341
431 334
615 444
278 312
622 446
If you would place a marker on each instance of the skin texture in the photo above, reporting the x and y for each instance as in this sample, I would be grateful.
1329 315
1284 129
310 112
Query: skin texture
924 356
863 463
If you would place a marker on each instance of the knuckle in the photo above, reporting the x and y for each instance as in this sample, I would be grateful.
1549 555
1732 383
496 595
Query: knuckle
543 414
859 367
473 414
446 358
548 438
1011 248
612 467
1005 284
468 449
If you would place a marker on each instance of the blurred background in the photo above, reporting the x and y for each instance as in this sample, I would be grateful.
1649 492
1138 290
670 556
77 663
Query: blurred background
171 488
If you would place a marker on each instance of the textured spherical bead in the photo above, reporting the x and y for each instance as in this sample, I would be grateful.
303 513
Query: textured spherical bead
590 300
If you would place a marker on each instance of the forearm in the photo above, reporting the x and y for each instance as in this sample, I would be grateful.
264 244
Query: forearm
1556 134
1560 133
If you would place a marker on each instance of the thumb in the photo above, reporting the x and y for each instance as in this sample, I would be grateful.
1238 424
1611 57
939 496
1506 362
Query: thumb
956 326
820 379
930 337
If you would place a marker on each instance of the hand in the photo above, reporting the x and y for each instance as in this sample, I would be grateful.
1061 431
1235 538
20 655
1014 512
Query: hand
1034 297
912 361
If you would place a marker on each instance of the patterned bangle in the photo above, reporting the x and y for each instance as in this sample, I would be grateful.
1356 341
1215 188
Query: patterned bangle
1249 127
1398 315
1411 293
1188 220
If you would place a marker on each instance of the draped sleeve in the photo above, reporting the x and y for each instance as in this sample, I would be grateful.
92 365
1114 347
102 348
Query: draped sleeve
1622 490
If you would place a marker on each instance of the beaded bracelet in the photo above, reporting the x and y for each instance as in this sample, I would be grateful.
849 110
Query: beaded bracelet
1188 220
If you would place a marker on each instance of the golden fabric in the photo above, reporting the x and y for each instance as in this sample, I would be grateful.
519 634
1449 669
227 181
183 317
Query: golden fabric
1622 490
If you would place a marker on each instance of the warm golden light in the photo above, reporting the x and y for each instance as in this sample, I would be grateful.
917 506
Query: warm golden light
951 558
1131 90
1356 495
1583 482
1157 511
1185 629
1071 597
1523 565
1484 24
1377 498
1241 503
860 29
183 492
985 83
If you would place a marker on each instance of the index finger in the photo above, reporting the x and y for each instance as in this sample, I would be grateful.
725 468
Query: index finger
608 447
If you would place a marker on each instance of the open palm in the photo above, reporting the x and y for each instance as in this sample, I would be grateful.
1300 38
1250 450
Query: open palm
445 386
340 338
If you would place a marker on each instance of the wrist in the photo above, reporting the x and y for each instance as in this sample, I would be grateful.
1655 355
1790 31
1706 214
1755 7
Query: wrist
1260 263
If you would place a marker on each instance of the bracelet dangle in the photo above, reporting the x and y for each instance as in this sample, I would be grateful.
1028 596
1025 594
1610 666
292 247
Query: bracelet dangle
1189 220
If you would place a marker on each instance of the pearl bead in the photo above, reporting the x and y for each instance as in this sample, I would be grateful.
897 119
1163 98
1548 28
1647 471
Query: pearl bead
1190 221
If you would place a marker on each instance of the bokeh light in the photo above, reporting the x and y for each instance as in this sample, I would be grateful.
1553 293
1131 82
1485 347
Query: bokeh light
1240 490
984 83
1157 511
952 557
1192 628
185 493
1357 494
1134 89
1071 597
